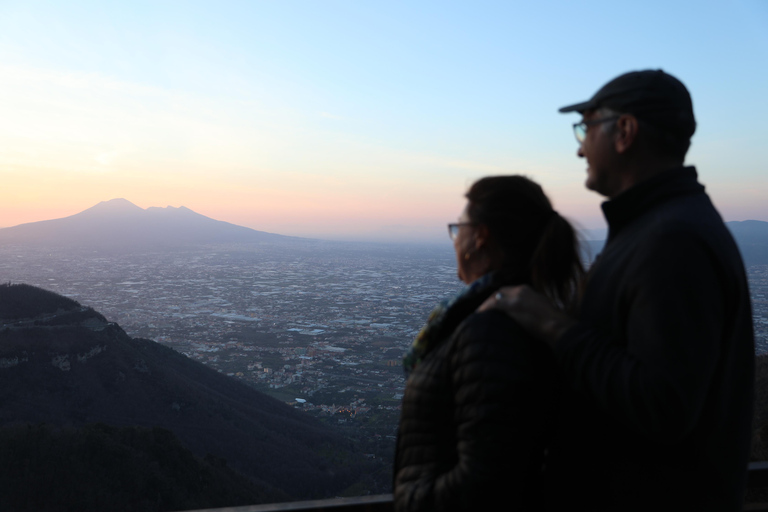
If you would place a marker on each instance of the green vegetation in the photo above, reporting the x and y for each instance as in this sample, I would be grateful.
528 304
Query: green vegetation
99 467
19 301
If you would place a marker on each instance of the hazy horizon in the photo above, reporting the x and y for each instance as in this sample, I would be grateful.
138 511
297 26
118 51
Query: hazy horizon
587 234
347 121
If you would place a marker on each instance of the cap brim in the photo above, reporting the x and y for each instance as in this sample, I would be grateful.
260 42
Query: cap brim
578 107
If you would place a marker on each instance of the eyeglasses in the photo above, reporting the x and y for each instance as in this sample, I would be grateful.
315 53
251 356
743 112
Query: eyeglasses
453 228
580 129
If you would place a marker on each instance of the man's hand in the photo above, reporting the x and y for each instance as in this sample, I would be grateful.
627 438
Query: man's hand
532 311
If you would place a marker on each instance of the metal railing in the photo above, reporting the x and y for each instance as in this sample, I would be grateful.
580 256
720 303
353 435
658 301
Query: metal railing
378 503
757 477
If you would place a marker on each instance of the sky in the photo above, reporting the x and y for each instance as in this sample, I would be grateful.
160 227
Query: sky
354 120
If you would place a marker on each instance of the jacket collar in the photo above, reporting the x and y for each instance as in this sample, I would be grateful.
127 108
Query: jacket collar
630 204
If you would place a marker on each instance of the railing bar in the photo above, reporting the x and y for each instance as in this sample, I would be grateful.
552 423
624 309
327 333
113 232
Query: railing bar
757 477
376 503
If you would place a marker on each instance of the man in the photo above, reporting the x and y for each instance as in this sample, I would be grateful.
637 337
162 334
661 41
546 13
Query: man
658 366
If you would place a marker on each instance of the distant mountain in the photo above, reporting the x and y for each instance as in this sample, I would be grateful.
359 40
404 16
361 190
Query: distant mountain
751 236
65 365
120 223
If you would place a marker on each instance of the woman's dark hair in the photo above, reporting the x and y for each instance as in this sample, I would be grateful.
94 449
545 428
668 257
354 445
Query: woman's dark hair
530 234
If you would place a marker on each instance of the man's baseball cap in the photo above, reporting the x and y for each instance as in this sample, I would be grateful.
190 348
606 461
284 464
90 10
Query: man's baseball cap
652 96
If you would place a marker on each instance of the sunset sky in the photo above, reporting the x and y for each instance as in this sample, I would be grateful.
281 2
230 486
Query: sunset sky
354 119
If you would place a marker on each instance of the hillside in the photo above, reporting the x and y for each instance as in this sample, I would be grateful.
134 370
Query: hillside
29 302
120 469
65 365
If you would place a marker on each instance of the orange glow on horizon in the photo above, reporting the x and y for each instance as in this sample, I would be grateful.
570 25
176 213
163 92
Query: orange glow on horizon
73 140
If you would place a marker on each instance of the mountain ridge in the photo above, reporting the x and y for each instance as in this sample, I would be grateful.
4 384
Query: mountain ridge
119 223
751 236
66 365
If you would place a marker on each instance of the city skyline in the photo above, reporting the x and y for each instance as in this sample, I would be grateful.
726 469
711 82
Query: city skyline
352 121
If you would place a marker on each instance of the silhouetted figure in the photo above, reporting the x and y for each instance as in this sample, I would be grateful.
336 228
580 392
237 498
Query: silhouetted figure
480 401
659 363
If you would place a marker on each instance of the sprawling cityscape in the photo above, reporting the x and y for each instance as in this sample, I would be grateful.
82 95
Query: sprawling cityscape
320 325
317 324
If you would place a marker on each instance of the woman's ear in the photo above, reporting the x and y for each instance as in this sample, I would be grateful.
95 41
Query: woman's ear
481 236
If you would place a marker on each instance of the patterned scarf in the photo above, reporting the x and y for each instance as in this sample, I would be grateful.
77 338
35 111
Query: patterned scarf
448 314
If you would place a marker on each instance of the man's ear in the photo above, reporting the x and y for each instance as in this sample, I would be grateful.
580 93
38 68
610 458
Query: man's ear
625 135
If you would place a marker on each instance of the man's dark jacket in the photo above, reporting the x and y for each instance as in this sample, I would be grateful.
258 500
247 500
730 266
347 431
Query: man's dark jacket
477 413
660 366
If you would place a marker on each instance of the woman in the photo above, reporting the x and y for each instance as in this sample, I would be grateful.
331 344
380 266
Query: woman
480 399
